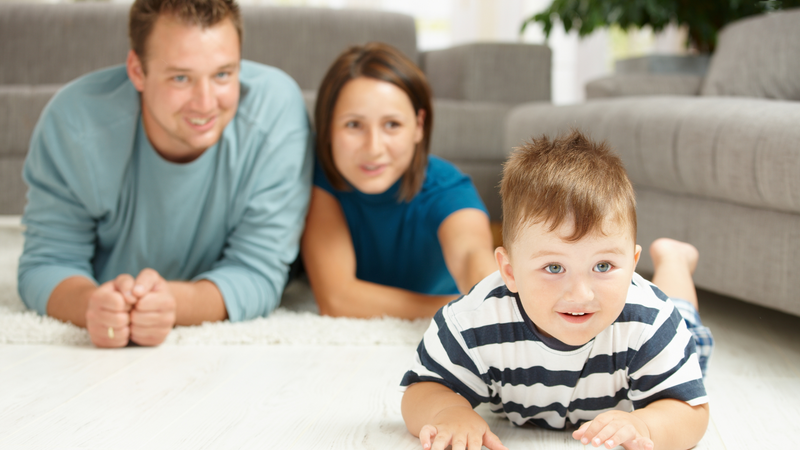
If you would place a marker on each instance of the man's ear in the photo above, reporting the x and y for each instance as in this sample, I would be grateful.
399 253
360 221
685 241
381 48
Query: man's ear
506 271
135 70
419 132
636 255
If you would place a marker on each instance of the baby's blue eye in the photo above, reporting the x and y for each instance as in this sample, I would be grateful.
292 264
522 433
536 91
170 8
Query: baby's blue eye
554 268
603 267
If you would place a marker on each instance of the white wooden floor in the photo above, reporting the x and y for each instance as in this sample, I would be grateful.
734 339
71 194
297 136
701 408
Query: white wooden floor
338 397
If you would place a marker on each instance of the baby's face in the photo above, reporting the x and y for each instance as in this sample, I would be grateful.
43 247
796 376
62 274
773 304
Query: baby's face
570 290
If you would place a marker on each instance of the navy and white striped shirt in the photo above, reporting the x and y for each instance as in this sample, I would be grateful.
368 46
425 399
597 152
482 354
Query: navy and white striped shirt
484 347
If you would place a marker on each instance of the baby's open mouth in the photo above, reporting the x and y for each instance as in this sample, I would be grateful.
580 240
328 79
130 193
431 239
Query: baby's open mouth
576 317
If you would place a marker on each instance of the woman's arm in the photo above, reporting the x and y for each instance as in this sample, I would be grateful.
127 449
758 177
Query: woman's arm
330 262
466 240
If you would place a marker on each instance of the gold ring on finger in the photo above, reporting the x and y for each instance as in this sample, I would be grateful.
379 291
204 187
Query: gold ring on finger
111 332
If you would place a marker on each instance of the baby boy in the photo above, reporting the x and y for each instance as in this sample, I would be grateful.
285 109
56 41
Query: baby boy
565 335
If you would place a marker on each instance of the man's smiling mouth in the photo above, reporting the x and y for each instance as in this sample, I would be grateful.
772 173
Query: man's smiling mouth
199 121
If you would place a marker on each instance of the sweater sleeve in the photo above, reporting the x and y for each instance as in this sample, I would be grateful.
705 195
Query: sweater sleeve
254 267
60 230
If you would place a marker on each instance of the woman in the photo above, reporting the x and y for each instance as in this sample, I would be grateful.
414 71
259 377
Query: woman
390 230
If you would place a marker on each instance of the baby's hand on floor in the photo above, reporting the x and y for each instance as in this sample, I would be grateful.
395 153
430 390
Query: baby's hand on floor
460 427
615 428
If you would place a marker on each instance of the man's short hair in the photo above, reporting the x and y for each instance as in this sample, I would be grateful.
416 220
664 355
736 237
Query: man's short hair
202 13
385 63
568 178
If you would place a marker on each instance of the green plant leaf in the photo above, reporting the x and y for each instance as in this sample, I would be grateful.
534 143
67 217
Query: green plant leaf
704 18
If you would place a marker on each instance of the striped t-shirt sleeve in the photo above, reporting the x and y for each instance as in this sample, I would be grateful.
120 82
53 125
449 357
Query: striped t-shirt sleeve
443 357
666 366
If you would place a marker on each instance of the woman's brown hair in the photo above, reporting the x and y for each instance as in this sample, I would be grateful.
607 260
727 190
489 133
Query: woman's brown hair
385 63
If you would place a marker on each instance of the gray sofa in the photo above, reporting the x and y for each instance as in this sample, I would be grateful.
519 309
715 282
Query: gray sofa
475 86
715 160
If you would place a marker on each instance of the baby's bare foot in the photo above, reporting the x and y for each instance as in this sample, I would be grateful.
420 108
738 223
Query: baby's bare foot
664 249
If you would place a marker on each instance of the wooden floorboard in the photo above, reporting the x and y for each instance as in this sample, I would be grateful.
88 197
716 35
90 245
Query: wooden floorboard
37 387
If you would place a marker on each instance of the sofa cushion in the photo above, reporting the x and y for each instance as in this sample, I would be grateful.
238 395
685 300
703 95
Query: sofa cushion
758 57
20 107
303 42
747 253
12 188
53 44
490 72
736 149
310 99
471 135
469 130
643 84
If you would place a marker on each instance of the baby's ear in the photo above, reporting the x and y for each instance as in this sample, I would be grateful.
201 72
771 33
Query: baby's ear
636 255
506 271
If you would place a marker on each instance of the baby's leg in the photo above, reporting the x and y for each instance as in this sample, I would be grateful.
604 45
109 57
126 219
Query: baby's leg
674 263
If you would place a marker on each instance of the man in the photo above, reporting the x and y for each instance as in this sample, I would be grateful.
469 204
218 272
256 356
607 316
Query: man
187 165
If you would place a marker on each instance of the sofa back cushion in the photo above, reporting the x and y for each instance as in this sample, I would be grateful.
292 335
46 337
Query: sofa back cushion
757 57
55 43
304 41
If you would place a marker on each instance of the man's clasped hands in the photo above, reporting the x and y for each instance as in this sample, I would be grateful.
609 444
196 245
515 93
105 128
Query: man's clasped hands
128 309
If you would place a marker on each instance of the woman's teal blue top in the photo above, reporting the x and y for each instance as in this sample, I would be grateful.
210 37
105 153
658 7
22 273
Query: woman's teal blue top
396 243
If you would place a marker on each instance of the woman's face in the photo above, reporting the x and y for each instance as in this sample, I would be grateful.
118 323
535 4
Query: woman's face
374 132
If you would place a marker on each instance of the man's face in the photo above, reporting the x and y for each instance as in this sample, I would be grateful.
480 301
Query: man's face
190 90
570 290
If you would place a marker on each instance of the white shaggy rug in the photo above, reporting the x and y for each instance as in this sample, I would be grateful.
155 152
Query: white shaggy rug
296 321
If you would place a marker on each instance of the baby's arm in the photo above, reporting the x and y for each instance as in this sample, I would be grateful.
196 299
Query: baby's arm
440 417
663 424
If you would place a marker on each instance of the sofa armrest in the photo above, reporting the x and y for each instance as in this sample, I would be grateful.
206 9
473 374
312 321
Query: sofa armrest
490 72
470 135
643 84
